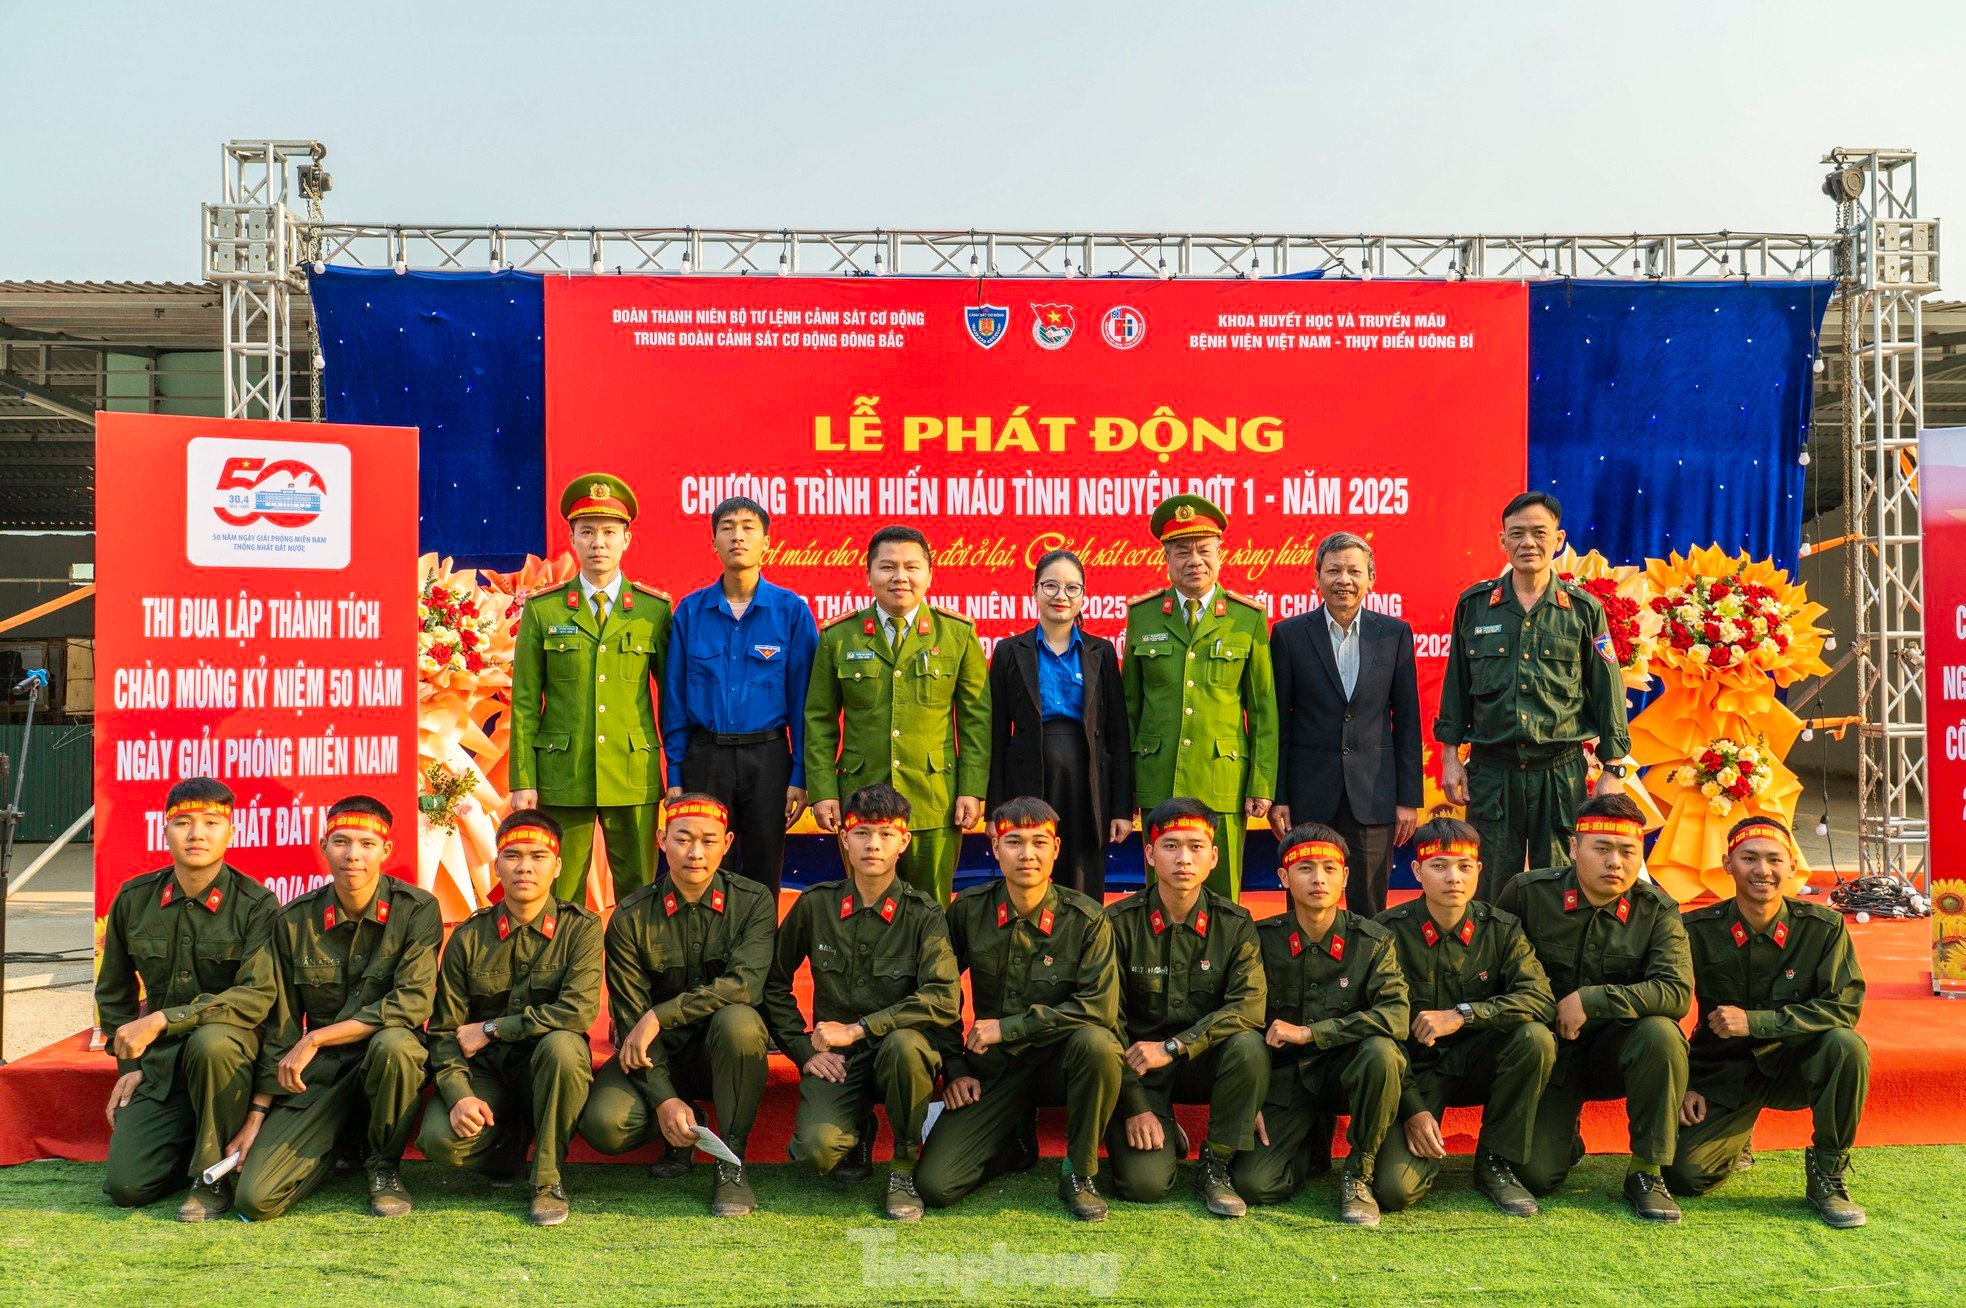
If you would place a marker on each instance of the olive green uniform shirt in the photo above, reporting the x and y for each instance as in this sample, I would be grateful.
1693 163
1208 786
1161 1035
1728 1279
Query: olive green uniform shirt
1344 987
1040 976
379 967
526 980
1202 704
207 959
1626 960
583 697
1548 677
1796 980
1485 962
1199 981
683 961
886 964
916 715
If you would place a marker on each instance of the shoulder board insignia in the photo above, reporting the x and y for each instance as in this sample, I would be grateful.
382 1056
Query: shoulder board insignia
947 613
653 590
837 619
1143 598
1240 599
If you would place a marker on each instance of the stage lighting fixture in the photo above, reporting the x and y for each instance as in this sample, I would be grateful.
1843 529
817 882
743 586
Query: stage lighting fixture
313 180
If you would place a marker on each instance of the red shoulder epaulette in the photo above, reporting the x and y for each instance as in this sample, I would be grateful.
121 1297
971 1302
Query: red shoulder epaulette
1242 599
651 590
951 613
837 619
1155 593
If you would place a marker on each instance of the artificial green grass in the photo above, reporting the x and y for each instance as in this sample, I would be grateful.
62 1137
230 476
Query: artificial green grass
636 1241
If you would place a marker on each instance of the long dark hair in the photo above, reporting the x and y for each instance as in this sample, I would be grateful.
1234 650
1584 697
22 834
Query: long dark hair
1065 556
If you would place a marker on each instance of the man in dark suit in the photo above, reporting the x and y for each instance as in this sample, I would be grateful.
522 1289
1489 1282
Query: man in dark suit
1348 699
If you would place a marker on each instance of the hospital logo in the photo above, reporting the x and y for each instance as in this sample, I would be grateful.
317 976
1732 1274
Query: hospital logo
1123 327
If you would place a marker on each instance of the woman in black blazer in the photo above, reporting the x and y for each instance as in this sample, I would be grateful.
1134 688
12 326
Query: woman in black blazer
1058 726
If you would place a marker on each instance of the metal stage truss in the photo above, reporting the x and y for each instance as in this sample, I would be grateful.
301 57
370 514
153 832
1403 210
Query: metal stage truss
1882 255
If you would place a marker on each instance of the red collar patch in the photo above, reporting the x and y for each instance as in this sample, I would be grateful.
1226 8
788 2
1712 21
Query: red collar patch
670 904
1780 935
504 926
1337 948
328 917
1467 930
867 628
212 899
1201 922
1570 901
1740 934
1156 921
573 598
923 627
1296 944
1495 596
1167 605
1044 922
1430 933
1221 606
846 908
716 901
1624 910
546 927
170 893
1560 595
382 911
887 909
627 600
1003 914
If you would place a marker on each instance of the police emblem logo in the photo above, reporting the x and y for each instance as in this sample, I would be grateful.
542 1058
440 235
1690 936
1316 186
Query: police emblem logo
1123 327
1607 651
1205 964
598 491
986 323
1344 983
1052 325
1184 513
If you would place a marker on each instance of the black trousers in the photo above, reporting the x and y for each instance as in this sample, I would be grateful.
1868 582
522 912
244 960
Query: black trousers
1369 855
1068 788
750 779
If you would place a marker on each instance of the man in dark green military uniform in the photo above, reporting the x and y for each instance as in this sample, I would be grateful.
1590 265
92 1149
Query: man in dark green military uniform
686 963
186 978
1200 697
1337 1017
1531 676
586 675
1616 955
1046 995
519 987
1480 1006
1780 992
900 695
357 966
1191 1016
884 991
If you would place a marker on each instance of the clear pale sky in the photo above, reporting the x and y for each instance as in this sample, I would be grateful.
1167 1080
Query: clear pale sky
1381 117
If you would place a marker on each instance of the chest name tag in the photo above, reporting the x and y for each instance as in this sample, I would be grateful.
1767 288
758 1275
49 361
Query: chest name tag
1488 631
852 654
567 630
1154 635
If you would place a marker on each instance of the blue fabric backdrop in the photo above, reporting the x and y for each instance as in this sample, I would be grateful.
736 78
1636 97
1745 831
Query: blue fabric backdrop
1663 415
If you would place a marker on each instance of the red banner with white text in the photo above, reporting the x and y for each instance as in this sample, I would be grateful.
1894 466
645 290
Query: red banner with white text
256 623
1007 418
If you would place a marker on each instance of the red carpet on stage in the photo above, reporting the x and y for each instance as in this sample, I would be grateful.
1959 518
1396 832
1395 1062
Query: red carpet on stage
51 1102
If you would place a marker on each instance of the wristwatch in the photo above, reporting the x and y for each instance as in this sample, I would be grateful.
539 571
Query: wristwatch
1173 1048
1466 1010
1619 770
490 1029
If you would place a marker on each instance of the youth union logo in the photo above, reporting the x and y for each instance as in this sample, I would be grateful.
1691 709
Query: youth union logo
1052 325
1123 327
986 323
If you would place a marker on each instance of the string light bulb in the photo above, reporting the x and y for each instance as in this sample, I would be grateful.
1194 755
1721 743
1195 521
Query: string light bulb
1817 365
1808 733
1822 825
1803 458
320 362
401 265
319 268
1829 642
1164 273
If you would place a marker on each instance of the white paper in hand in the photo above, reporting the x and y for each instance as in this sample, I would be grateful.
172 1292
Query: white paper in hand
221 1167
708 1141
935 1107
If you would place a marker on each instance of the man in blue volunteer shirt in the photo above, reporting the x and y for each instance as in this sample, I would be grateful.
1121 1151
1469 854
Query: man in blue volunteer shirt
734 693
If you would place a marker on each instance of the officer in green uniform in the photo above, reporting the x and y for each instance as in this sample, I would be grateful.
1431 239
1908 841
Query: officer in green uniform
1780 992
357 964
1191 1016
185 980
686 963
1337 1017
1531 676
1046 994
900 695
586 674
519 987
1200 697
1480 1007
885 990
1616 955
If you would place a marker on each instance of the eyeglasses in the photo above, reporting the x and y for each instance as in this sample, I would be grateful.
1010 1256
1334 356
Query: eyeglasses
1053 589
